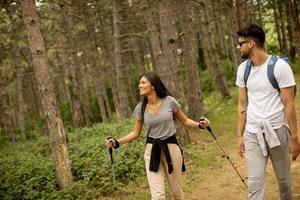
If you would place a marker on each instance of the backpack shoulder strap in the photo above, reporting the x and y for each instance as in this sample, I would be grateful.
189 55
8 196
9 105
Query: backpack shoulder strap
270 72
247 71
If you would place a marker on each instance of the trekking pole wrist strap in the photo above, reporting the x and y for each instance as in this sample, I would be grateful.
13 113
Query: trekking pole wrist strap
116 141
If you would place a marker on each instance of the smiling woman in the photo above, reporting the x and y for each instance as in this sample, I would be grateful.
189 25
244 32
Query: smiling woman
163 156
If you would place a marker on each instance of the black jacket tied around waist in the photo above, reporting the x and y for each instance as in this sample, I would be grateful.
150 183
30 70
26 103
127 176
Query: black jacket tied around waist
157 146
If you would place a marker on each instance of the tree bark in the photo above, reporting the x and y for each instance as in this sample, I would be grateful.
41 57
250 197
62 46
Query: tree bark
125 110
283 30
295 26
108 66
19 73
152 34
195 98
98 87
6 121
74 68
170 70
277 24
232 30
211 54
45 89
61 44
261 23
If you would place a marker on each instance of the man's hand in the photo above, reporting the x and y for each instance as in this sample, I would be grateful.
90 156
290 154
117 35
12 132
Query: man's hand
294 148
241 146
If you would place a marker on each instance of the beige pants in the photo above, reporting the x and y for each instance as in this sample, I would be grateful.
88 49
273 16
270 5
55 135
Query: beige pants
156 179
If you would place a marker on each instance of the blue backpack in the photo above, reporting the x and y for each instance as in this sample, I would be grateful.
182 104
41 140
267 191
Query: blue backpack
270 72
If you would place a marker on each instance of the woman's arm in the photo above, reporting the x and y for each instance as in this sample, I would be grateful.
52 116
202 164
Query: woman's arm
127 138
189 122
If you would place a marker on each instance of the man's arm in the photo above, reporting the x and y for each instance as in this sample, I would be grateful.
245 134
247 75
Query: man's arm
242 111
287 95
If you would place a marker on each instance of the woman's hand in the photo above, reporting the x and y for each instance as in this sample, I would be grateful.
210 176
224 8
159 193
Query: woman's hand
112 142
203 123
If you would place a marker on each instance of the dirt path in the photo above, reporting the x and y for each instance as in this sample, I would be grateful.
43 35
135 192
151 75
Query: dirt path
225 184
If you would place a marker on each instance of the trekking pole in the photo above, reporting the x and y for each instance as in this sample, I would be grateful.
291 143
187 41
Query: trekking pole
112 165
225 154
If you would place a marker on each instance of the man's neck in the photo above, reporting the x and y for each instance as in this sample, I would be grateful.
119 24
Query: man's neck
259 57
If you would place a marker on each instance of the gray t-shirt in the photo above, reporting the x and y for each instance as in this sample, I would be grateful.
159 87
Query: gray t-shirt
162 124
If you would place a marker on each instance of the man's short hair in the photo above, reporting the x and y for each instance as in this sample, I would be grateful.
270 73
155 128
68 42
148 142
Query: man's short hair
253 32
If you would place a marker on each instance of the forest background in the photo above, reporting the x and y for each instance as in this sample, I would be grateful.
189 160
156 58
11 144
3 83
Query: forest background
69 73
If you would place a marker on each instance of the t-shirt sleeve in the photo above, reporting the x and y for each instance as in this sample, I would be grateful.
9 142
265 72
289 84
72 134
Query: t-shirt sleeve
240 75
175 106
284 74
137 113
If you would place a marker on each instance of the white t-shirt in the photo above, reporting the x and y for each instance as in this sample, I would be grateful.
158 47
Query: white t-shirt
264 101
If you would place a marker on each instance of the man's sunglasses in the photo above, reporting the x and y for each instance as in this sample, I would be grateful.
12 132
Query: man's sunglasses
242 42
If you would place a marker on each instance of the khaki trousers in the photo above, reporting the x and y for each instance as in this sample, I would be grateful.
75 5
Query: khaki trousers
156 179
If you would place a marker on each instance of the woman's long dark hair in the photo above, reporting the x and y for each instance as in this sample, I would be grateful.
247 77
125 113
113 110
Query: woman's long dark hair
159 87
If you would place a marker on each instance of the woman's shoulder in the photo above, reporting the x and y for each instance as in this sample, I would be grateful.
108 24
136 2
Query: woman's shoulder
138 105
170 99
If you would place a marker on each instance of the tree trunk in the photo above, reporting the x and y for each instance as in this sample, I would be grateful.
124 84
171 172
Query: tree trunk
169 68
211 54
73 68
277 22
195 98
283 30
6 122
98 87
45 89
295 26
137 53
152 34
261 23
19 74
125 109
232 30
219 29
21 102
239 13
107 105
61 44
107 58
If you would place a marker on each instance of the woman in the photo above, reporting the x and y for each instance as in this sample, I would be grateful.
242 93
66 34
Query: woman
163 156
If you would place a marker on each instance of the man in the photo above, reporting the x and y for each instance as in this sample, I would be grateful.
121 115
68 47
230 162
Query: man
267 125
